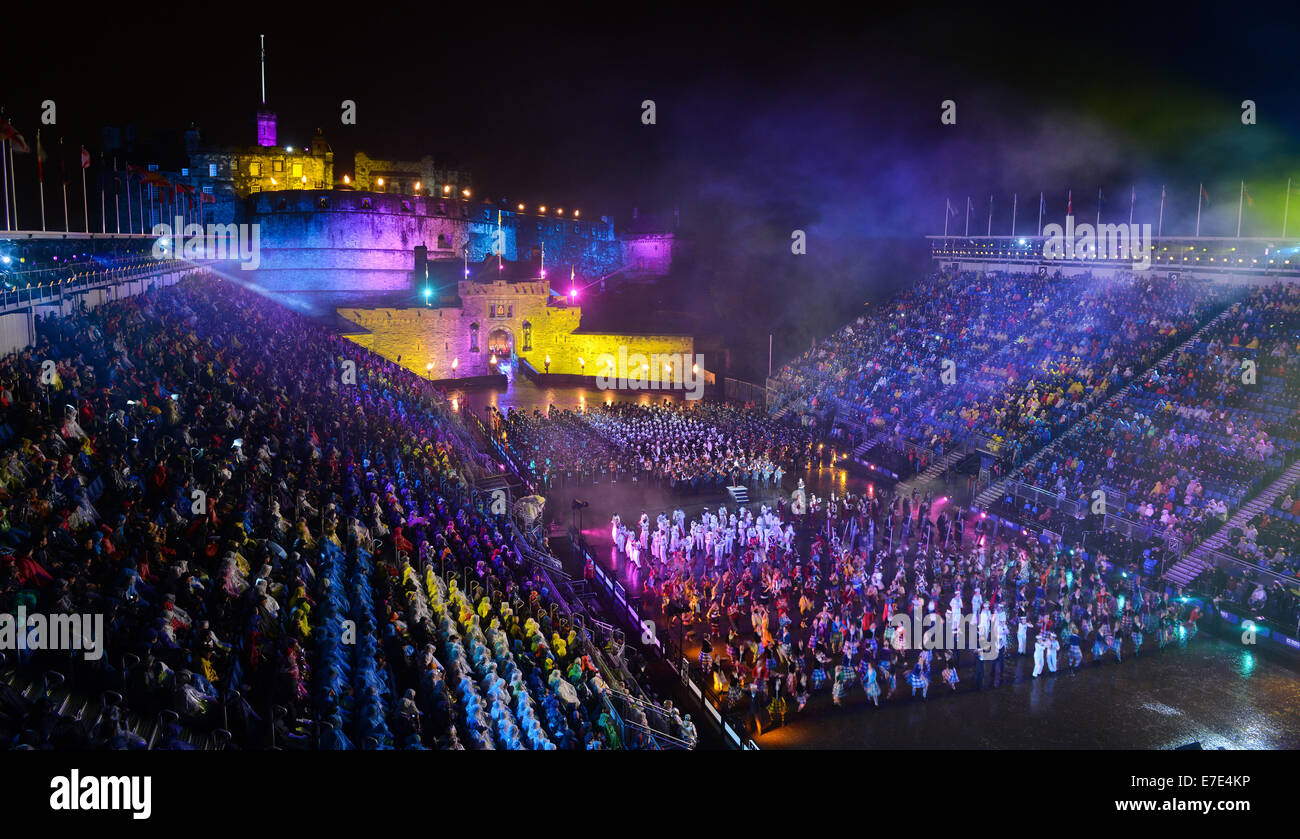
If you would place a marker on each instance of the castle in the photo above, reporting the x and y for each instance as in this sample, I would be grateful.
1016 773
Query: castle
449 286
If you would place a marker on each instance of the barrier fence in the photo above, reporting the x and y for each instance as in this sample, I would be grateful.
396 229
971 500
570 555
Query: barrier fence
692 677
738 390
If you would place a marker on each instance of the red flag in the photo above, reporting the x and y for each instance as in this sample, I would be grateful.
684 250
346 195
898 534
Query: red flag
8 132
1205 194
85 158
206 198
1250 202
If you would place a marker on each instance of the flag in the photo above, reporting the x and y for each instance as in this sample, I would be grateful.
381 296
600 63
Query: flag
1250 202
1069 203
207 198
8 132
951 209
85 158
1205 194
1042 203
40 158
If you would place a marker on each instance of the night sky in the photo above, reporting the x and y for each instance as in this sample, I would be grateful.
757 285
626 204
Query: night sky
826 121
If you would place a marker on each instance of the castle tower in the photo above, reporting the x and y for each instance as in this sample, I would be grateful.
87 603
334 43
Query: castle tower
265 116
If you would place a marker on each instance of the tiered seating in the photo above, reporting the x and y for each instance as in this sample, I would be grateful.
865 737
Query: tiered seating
1030 355
255 529
1189 443
1272 539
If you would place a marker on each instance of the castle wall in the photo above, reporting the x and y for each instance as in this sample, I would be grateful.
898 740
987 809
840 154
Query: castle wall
313 240
534 329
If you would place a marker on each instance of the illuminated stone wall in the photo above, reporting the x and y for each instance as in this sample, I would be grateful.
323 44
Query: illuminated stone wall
401 177
648 254
507 317
340 240
256 169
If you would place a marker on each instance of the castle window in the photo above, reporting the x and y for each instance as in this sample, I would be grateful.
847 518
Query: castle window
473 337
323 203
212 170
277 165
365 204
297 170
255 168
442 208
444 244
406 206
528 337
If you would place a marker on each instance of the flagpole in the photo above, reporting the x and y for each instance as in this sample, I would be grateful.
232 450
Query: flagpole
1200 191
63 176
947 211
103 214
1241 201
1287 209
990 230
4 162
13 183
129 225
1042 202
967 234
1132 199
85 207
40 175
1013 214
1160 226
1098 208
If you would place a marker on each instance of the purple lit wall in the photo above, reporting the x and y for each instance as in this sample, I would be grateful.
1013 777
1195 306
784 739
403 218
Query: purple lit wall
265 128
340 240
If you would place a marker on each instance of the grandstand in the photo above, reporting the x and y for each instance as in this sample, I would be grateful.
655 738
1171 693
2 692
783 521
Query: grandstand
288 557
282 560
1173 393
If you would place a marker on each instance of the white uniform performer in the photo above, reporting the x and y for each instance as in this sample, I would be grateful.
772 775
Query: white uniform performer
1040 652
1052 646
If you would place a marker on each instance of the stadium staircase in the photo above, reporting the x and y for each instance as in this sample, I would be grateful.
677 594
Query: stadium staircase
1193 564
739 494
860 452
996 490
934 470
